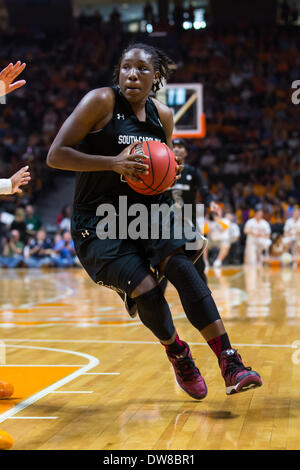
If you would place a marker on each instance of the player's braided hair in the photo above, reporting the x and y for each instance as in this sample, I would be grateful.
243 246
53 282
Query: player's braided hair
161 63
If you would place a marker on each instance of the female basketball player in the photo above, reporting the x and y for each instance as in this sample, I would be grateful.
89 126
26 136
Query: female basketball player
101 126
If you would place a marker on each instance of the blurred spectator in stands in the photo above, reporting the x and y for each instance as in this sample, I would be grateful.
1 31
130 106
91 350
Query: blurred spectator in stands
208 159
3 233
60 216
277 248
278 252
217 231
64 250
163 13
12 254
191 13
294 12
115 19
20 224
285 11
148 13
291 232
289 207
33 221
39 251
234 254
178 12
258 241
57 238
64 218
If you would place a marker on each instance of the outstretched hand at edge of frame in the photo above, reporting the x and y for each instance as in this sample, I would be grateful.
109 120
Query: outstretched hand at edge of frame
8 75
20 178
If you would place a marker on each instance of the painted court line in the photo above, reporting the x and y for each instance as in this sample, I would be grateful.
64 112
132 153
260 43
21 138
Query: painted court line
106 341
75 324
92 362
70 391
101 373
68 293
41 365
33 417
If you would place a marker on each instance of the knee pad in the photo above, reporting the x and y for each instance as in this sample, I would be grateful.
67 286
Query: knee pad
154 313
181 272
195 296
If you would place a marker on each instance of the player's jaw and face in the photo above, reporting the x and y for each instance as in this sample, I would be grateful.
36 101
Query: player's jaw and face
180 151
137 75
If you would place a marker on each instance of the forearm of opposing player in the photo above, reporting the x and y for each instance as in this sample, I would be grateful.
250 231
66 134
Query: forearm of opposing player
67 158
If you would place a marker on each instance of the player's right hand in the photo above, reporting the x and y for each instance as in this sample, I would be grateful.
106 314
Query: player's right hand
8 75
130 165
20 178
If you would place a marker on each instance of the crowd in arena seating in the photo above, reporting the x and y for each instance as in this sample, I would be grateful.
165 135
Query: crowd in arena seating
250 156
25 243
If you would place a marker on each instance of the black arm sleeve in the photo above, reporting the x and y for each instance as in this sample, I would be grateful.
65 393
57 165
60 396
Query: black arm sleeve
202 187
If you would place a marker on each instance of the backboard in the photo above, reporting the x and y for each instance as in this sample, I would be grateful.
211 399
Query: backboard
186 102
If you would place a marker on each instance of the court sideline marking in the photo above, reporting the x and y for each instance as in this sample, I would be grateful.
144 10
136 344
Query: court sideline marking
33 417
107 341
93 362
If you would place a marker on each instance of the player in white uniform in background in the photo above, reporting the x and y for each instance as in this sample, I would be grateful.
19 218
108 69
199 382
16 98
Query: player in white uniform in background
234 229
291 233
218 235
258 240
11 186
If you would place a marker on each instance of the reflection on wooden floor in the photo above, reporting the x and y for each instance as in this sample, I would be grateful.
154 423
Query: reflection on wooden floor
87 376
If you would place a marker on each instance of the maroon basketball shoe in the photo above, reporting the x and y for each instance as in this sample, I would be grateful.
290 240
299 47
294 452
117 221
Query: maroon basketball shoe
238 378
187 376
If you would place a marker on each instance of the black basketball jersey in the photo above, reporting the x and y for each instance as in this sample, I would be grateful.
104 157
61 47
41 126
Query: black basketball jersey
97 187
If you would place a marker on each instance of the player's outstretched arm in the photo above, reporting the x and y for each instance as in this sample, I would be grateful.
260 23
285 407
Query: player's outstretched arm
8 75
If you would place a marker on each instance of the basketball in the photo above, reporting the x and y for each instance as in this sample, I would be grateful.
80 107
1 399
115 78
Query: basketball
162 168
6 440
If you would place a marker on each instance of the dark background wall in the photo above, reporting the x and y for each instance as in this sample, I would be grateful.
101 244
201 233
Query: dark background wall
40 15
251 11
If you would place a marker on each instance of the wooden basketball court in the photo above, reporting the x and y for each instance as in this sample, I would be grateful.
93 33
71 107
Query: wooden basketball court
87 376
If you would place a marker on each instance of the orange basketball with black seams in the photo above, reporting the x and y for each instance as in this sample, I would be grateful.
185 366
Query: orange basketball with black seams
162 168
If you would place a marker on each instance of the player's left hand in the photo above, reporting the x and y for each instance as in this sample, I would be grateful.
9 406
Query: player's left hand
8 75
